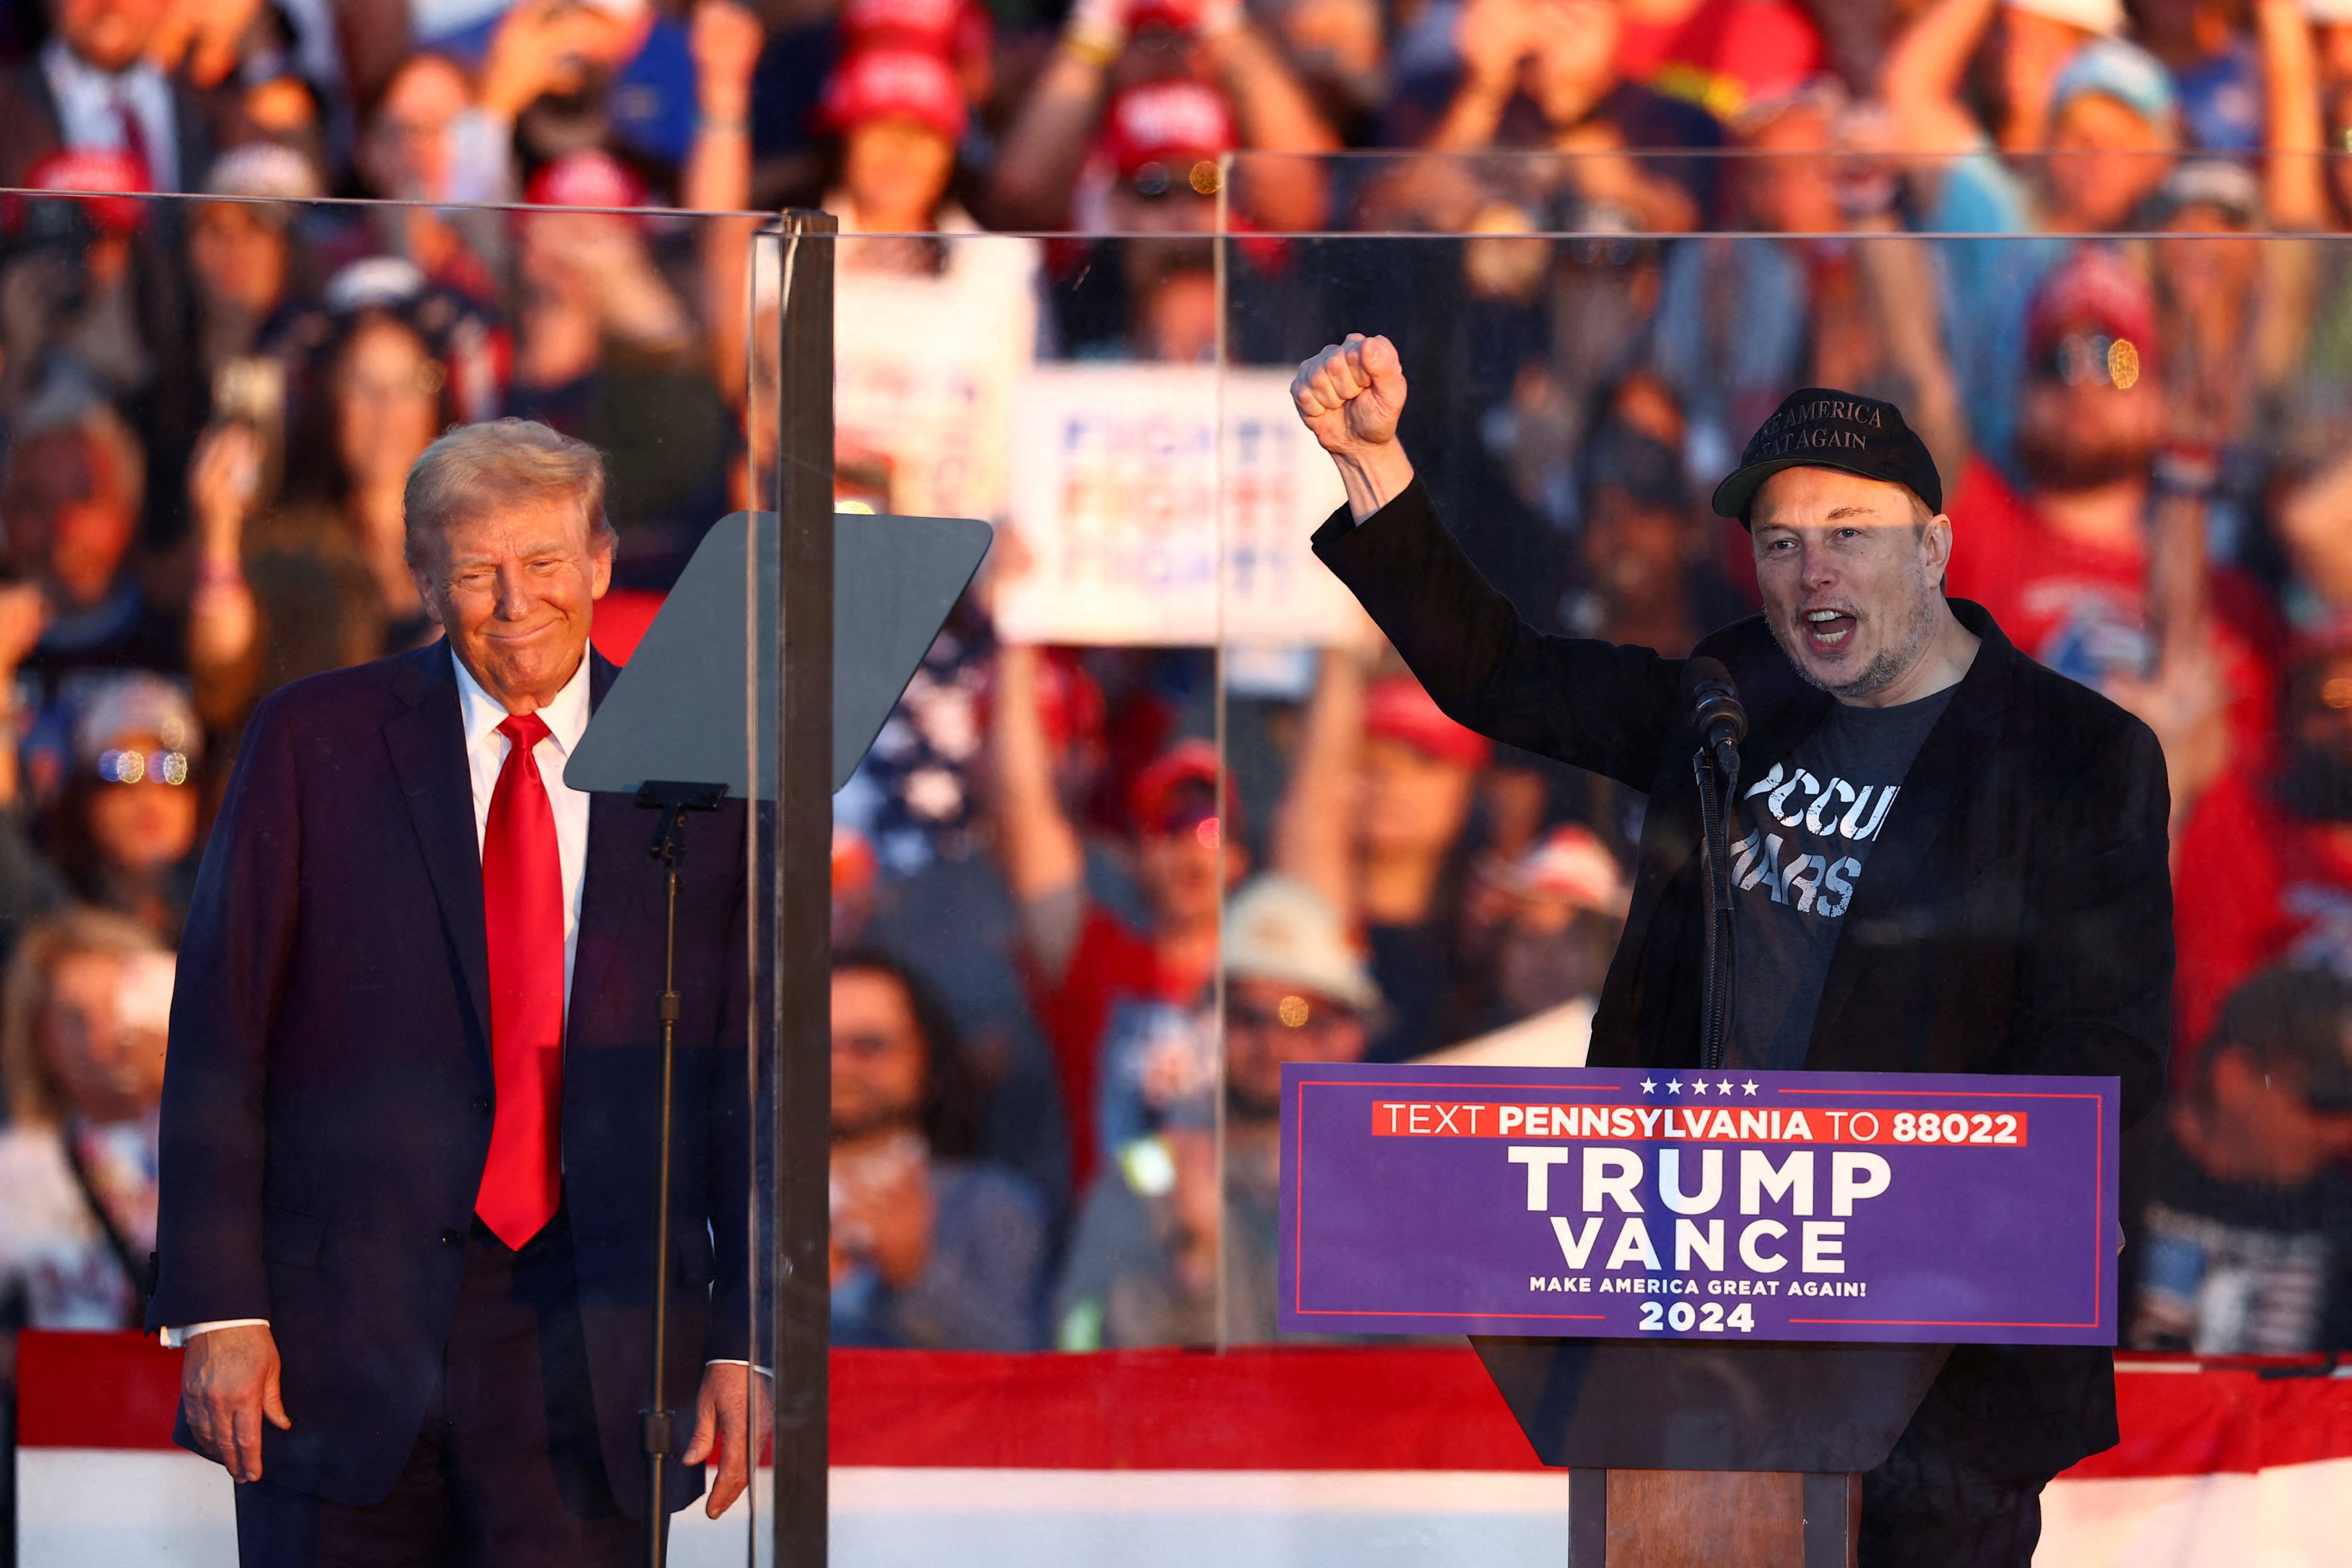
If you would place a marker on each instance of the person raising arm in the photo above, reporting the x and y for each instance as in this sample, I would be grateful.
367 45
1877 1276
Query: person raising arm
1948 859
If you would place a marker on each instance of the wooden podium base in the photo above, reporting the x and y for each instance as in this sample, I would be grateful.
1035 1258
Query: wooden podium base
1712 1518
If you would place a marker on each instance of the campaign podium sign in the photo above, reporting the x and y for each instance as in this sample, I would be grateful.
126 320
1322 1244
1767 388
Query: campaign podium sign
1723 1207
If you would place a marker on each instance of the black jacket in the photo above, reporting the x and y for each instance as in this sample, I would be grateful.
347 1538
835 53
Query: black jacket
2015 916
328 1100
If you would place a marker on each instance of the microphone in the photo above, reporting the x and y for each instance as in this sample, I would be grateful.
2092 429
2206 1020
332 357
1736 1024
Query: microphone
1716 712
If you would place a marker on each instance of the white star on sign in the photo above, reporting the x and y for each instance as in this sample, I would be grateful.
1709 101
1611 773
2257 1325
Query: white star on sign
1673 1086
1649 1086
1698 1086
1726 1086
1749 1085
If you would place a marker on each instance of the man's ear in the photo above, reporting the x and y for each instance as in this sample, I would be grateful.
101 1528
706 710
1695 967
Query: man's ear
600 563
429 591
1936 536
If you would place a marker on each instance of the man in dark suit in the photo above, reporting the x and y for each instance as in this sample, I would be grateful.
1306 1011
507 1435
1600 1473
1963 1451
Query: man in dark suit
409 1115
91 88
1950 859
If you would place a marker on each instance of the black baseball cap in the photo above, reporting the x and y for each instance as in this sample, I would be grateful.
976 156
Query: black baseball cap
1821 427
2296 1014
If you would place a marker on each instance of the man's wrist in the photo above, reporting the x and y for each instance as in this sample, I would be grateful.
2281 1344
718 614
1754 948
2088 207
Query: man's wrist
724 111
176 1339
1373 476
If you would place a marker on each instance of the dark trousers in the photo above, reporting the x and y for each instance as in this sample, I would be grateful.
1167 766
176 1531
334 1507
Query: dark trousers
1924 1510
507 1472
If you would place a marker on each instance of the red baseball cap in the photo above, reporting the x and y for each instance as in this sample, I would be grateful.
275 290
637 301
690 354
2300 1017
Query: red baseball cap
587 178
2098 289
1179 790
1397 709
1571 864
1178 15
80 169
949 28
1174 123
894 83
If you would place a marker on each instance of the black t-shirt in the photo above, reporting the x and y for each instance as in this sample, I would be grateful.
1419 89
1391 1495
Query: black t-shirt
2232 1267
1809 824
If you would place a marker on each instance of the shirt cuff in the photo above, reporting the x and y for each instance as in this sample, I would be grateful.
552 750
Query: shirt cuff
173 1339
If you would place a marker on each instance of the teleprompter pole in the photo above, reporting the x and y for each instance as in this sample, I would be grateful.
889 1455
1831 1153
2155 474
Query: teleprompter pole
803 735
657 1432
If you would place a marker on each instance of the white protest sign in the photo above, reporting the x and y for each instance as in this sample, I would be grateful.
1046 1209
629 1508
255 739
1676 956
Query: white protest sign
926 367
1125 495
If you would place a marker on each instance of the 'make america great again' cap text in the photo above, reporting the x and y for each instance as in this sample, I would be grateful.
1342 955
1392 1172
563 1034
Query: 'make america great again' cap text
1821 427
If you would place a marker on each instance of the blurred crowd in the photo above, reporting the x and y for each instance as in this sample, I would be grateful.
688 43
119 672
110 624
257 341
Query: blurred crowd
1089 898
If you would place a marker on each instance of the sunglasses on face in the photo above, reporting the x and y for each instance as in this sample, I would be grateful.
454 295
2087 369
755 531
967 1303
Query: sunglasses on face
147 767
2093 359
1292 1017
1156 180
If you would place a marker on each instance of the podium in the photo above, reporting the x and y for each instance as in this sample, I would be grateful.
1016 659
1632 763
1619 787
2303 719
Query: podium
1730 1456
1727 1276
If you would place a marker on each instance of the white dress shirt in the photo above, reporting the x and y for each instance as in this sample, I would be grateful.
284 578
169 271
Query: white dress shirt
485 753
92 103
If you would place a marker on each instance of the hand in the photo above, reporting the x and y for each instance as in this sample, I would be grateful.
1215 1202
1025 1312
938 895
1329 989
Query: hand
899 1213
208 34
725 39
538 49
722 1423
1196 1208
1098 26
1215 18
23 616
1599 166
223 480
228 1386
1349 395
1493 38
2187 704
1008 561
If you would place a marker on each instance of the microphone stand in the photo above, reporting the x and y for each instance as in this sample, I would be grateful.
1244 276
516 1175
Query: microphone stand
673 801
1717 769
1718 772
1722 724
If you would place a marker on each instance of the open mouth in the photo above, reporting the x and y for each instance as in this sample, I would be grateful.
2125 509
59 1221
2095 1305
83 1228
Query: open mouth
1828 630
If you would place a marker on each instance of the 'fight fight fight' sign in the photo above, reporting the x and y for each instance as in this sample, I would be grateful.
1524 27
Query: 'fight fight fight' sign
1791 1205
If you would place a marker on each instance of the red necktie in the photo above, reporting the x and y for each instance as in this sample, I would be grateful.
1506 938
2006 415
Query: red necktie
134 135
522 911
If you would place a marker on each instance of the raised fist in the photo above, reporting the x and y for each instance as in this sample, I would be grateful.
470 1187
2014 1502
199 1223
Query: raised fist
725 39
1350 394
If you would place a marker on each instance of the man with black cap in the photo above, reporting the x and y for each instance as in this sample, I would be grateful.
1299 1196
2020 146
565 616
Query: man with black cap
1950 858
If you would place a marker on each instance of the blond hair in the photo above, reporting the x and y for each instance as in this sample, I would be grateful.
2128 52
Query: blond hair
476 469
32 1090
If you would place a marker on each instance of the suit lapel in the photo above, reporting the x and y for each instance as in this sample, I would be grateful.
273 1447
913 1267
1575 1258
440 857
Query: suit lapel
1941 776
617 834
427 742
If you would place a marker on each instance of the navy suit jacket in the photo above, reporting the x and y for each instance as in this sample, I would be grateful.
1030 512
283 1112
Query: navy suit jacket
327 1096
